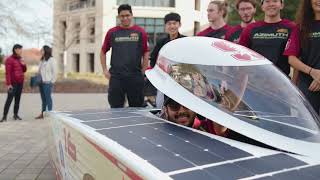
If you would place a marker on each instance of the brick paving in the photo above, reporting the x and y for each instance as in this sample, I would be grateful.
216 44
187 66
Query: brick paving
23 144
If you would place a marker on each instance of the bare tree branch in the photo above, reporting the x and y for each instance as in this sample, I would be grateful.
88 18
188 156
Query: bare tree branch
13 23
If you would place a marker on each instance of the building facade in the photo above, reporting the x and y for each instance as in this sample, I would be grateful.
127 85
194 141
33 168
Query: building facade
80 26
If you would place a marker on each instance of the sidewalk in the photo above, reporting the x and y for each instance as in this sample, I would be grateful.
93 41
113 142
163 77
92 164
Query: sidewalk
23 151
23 144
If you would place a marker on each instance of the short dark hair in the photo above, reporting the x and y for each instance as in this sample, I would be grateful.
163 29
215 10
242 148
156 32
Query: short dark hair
166 100
16 46
124 7
253 2
172 17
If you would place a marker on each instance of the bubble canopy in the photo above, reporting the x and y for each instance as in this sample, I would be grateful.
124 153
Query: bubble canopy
251 97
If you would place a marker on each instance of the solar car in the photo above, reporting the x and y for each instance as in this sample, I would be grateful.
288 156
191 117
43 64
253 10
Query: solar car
275 130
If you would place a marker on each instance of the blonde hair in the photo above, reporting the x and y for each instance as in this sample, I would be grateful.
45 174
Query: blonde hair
222 6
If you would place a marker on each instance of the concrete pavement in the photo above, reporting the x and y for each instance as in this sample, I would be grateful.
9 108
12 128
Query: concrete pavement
23 144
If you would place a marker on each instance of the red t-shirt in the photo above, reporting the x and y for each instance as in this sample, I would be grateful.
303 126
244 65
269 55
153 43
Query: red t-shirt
269 40
128 47
215 33
233 34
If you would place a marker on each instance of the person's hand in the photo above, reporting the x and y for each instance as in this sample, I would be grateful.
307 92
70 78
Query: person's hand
107 74
22 62
315 74
314 86
9 87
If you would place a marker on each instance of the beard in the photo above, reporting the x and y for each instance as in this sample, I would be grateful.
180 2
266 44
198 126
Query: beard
186 115
248 21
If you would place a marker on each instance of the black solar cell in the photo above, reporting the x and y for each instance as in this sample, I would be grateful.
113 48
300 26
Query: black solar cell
270 163
104 115
195 175
294 175
127 121
228 171
313 171
308 173
157 155
168 147
219 148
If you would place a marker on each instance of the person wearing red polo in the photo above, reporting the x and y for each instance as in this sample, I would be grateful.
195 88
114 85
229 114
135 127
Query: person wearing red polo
246 10
217 11
269 36
129 60
15 69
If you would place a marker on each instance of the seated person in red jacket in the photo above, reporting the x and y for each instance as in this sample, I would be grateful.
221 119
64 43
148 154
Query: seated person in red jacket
179 114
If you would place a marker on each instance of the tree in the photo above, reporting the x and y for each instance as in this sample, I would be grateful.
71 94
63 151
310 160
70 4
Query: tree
289 11
14 24
9 22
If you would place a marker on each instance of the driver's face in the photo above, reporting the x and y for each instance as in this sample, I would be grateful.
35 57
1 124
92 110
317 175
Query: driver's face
179 114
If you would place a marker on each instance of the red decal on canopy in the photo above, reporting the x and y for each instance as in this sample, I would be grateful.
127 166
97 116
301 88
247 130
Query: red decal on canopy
242 57
224 46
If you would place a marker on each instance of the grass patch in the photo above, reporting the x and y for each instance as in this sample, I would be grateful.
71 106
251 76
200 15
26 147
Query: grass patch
74 83
94 78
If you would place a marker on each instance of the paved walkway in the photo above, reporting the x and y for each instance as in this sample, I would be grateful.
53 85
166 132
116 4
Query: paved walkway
23 144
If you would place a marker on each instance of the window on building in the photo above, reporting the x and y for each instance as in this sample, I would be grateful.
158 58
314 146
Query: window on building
197 5
76 63
196 27
154 28
77 30
77 5
63 31
148 3
90 63
91 29
61 64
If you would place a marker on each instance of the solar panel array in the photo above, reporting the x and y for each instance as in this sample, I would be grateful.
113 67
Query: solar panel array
183 154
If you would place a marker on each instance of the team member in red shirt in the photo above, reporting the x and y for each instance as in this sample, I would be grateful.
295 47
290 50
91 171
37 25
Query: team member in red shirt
246 10
217 11
129 60
15 69
269 37
303 49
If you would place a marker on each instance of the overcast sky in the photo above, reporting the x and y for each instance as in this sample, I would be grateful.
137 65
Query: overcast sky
31 13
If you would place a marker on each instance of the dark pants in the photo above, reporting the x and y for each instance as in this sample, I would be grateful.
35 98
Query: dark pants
45 92
132 86
312 97
16 94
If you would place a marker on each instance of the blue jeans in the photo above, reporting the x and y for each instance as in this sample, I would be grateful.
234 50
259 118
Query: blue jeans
45 92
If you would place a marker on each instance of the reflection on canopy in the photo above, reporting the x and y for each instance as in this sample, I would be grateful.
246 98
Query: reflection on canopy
254 94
